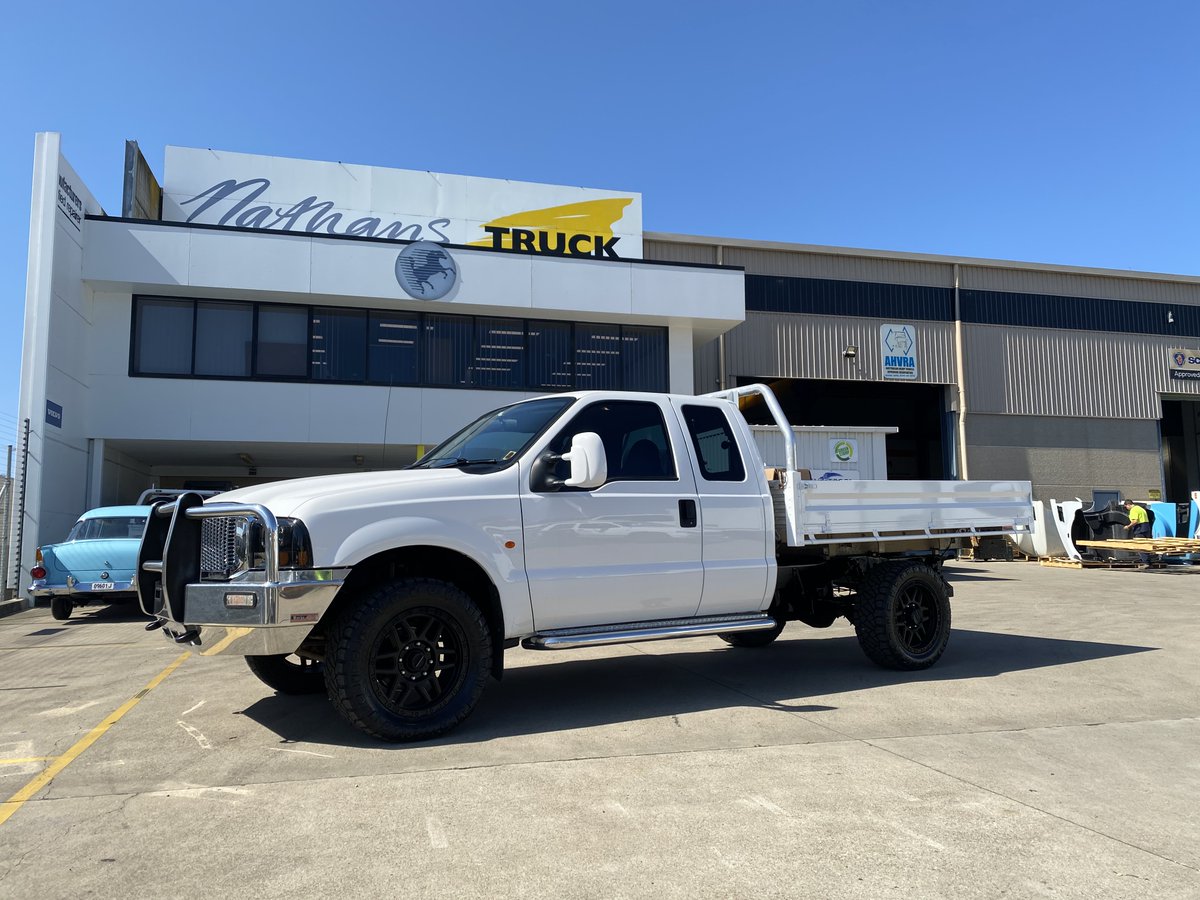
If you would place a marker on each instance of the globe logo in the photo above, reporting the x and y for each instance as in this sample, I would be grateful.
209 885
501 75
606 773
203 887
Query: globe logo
426 270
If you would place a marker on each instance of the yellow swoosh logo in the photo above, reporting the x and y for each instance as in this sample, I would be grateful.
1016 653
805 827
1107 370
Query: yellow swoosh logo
586 217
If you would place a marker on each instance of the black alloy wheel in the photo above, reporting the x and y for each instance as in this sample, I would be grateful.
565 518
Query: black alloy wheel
408 660
916 619
417 660
901 614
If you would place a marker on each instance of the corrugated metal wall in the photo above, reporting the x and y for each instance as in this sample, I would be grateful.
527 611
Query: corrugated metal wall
785 345
1053 372
1070 284
668 251
846 268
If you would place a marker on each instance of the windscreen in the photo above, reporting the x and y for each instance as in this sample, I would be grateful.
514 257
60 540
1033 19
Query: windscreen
497 437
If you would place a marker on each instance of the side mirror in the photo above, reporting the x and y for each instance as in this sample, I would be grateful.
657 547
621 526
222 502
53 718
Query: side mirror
589 465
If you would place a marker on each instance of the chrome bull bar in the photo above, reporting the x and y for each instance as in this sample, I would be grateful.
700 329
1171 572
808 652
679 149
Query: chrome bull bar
285 605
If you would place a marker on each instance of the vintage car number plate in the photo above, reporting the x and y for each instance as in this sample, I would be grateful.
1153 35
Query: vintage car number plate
102 585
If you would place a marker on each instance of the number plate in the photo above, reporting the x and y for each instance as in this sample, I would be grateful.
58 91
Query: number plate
102 585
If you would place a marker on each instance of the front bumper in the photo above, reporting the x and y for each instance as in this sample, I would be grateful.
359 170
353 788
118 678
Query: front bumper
261 612
283 614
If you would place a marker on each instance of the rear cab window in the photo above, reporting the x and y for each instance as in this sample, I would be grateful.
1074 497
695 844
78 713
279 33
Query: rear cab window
716 448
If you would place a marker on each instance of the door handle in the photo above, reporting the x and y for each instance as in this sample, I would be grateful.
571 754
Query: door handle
687 513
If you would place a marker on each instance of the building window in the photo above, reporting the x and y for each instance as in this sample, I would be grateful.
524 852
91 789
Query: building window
339 343
392 346
447 347
598 357
282 345
163 337
271 342
643 358
224 338
499 354
550 352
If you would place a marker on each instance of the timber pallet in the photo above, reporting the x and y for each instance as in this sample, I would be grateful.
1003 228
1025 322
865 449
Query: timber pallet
1064 562
1164 546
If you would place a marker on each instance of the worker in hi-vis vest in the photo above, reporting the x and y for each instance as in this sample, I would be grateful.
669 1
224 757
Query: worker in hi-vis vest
1139 526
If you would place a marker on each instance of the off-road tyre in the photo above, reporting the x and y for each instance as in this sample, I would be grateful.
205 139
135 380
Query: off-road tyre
750 639
902 615
289 674
60 608
409 661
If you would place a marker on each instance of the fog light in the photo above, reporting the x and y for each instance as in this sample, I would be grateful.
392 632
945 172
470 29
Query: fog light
243 600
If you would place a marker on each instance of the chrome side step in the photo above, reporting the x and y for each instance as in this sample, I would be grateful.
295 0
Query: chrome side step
663 629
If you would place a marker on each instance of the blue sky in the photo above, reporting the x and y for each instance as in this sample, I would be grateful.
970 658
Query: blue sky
1050 132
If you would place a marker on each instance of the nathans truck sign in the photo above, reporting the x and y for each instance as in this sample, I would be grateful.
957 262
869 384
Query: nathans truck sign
306 197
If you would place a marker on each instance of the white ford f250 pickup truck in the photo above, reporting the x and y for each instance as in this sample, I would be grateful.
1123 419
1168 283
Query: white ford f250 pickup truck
571 520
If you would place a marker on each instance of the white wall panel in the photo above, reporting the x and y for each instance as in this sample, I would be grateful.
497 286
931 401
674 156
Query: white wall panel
135 254
269 262
581 286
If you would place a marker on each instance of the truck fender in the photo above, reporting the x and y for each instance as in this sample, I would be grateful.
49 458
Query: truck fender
505 567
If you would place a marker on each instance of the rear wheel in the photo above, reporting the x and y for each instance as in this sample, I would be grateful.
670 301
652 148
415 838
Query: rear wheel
410 661
750 639
902 615
289 674
60 608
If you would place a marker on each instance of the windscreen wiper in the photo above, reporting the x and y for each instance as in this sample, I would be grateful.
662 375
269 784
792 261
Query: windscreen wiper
457 462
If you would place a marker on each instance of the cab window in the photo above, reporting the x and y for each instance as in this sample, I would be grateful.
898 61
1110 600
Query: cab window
634 437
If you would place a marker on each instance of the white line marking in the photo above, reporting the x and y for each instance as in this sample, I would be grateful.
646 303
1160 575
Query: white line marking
67 710
914 834
769 806
308 752
198 791
195 733
437 834
193 709
617 808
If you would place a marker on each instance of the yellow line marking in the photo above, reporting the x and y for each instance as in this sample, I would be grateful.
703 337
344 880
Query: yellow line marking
17 800
232 634
25 759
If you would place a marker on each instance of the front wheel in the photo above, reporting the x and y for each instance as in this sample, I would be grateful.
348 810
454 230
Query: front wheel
750 639
410 661
288 674
60 608
902 615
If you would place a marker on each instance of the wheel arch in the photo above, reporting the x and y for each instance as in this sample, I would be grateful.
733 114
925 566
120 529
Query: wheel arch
427 561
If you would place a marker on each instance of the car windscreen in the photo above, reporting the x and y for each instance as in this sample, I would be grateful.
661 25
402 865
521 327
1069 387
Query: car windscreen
108 528
497 437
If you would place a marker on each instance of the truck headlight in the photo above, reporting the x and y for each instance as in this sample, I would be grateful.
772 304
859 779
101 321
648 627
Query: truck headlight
295 545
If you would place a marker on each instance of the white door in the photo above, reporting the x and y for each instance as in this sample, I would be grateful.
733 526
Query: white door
737 521
629 550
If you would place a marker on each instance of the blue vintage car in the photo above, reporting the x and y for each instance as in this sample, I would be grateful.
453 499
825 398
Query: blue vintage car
96 563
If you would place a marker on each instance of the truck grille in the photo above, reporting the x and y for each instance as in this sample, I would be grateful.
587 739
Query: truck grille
223 547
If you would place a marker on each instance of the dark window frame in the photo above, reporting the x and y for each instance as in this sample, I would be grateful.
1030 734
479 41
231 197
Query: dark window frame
421 349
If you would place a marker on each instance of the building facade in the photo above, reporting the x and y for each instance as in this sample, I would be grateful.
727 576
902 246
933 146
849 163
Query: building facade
248 318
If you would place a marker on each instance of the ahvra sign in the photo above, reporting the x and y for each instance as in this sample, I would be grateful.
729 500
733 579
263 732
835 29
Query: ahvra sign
898 351
302 196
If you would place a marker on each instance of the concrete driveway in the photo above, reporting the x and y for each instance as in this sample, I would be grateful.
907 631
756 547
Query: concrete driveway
1054 751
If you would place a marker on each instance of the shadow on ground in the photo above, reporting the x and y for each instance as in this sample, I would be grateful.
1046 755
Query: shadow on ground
567 695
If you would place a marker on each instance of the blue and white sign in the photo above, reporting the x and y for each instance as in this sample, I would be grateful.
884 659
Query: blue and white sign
898 349
53 414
